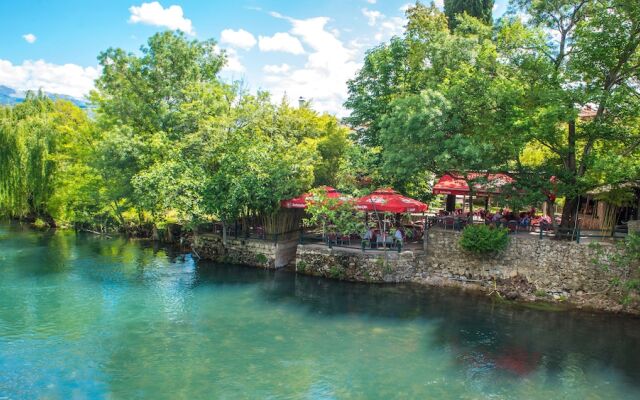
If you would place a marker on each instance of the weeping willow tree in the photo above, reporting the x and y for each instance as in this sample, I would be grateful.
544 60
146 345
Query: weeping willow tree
27 140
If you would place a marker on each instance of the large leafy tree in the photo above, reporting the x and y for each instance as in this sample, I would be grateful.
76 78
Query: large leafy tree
44 171
143 111
481 9
579 55
454 109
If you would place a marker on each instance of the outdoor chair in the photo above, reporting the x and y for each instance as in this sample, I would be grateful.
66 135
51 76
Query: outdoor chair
332 239
345 239
513 226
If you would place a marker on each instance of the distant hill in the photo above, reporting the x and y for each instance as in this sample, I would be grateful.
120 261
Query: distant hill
9 96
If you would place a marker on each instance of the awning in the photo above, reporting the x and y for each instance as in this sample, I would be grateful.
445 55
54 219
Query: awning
456 185
301 201
388 200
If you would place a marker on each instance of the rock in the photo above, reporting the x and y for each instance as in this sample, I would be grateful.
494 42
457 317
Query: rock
512 295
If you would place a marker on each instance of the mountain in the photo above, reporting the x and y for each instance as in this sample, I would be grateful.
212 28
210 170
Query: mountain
9 96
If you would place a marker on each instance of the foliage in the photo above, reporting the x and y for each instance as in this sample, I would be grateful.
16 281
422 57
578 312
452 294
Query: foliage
337 272
624 261
484 239
334 215
44 164
301 267
170 143
481 9
261 258
579 54
508 99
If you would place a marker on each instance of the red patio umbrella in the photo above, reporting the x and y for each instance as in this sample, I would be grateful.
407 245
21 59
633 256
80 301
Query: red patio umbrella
456 185
301 201
388 200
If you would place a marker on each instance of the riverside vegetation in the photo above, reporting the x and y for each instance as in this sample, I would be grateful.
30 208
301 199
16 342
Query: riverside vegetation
167 141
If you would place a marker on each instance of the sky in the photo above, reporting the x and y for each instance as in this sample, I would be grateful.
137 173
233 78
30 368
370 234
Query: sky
296 48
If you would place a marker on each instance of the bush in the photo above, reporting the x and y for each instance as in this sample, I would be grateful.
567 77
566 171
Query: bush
484 240
623 261
336 272
302 267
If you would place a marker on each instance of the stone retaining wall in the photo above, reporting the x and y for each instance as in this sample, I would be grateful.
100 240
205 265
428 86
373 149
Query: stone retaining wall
530 269
549 265
253 252
355 265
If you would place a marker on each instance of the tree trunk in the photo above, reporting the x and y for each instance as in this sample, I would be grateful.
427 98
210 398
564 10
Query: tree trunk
154 233
569 211
224 233
569 215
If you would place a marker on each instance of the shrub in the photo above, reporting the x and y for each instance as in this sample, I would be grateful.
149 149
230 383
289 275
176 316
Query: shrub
336 272
540 293
484 240
261 258
623 261
302 266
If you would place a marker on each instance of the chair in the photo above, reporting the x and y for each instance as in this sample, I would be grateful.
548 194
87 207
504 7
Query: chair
345 239
379 241
332 238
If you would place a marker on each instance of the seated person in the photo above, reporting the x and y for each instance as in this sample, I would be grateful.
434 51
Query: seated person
369 235
398 235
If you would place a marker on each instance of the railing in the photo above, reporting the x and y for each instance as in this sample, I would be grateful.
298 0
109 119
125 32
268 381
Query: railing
356 242
541 229
254 233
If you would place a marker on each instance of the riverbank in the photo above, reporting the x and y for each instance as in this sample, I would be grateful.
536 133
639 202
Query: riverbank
531 270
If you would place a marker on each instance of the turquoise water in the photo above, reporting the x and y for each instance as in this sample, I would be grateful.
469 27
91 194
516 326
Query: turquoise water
83 317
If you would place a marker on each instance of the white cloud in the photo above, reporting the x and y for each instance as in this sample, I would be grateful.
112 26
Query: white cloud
233 62
276 69
29 37
70 79
281 41
240 38
329 65
372 16
371 1
403 9
390 27
154 14
439 4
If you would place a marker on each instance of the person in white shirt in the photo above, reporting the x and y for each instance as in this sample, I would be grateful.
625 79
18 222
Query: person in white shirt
398 235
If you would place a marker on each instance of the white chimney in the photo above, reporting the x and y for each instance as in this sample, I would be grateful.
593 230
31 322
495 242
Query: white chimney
301 102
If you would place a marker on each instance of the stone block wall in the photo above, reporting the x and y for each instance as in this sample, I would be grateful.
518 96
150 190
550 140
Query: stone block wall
253 252
556 267
530 268
355 265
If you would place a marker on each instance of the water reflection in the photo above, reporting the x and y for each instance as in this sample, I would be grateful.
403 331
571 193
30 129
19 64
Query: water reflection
122 319
485 334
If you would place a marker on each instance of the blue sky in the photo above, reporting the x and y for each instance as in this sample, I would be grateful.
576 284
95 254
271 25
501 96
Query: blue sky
298 48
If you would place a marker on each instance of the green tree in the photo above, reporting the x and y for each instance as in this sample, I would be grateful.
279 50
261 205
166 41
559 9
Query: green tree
43 164
481 9
578 54
145 109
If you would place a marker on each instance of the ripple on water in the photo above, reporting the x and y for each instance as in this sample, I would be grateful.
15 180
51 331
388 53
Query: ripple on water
95 318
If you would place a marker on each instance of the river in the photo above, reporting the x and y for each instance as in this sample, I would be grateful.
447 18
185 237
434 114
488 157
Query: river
88 317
